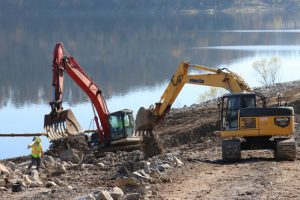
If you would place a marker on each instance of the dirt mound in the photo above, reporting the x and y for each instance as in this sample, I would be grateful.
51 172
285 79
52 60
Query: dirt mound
188 125
75 142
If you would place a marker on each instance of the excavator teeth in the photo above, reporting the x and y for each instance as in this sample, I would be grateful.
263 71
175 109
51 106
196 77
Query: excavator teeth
49 133
56 131
53 132
61 125
143 133
65 129
62 129
59 130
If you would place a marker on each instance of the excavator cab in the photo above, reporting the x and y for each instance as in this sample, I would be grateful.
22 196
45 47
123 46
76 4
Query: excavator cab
231 104
121 132
121 124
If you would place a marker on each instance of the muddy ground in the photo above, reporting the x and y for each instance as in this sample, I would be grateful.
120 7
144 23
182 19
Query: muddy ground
189 133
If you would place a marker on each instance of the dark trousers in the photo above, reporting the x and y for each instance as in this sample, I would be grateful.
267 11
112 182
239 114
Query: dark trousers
35 161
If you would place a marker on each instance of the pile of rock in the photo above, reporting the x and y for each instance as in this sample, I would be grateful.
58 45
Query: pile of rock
77 143
133 176
114 193
12 173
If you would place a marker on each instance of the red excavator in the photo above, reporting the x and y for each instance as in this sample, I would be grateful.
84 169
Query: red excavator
112 128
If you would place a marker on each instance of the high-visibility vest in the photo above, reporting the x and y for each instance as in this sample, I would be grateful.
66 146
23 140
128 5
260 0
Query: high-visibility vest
36 150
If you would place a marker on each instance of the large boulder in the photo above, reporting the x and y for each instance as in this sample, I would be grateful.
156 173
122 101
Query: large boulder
128 182
103 167
141 174
34 176
104 195
4 170
57 181
11 172
11 165
177 162
23 164
49 184
116 193
71 155
87 166
132 196
90 159
86 197
2 183
60 168
27 180
49 161
36 184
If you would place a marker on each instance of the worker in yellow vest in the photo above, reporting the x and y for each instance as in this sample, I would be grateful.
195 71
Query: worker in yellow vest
36 153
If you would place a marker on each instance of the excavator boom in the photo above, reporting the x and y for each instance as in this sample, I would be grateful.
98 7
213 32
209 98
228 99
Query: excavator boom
147 118
62 123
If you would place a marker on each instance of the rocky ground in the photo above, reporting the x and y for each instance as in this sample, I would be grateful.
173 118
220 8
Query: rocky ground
190 166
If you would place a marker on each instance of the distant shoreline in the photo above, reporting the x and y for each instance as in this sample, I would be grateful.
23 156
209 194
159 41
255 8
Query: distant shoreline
34 7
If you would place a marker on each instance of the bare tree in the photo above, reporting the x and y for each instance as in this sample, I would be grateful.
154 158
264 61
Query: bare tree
268 71
212 93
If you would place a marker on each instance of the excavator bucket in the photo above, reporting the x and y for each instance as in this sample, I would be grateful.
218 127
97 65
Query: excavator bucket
60 125
144 120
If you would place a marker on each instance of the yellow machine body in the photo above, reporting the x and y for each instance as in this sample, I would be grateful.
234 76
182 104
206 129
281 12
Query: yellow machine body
262 126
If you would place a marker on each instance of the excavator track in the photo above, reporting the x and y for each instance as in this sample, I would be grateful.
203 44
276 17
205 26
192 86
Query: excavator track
231 150
150 145
285 149
114 148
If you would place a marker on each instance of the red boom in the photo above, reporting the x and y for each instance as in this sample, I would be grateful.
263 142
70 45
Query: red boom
63 63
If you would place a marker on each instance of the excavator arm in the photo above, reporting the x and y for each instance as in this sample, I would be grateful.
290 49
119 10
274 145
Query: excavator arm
147 118
55 121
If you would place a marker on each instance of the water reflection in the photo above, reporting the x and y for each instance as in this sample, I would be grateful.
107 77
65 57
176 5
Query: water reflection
261 31
256 48
123 53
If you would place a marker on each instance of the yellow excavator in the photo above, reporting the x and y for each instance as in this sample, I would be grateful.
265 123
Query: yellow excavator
246 122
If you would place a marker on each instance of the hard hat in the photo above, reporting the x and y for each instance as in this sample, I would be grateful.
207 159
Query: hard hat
38 140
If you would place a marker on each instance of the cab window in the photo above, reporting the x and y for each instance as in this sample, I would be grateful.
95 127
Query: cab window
248 102
116 122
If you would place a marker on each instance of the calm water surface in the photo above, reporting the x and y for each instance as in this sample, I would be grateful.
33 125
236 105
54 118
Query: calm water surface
131 57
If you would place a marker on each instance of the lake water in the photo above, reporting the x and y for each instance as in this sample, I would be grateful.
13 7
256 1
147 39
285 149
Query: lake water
132 57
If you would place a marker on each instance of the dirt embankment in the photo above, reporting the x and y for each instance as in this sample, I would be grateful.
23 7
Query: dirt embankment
190 167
